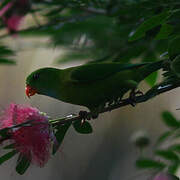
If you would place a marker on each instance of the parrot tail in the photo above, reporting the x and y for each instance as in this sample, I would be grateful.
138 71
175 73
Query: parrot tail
149 68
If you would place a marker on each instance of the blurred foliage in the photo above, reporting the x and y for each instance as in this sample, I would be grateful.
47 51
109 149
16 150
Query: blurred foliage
107 30
166 151
140 139
5 54
22 164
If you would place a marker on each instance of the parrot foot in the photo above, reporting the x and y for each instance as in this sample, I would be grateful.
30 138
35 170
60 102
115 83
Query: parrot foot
133 95
110 103
114 101
139 93
118 100
132 102
85 115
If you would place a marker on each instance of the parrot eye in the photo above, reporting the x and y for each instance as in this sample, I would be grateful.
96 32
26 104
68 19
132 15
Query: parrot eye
36 76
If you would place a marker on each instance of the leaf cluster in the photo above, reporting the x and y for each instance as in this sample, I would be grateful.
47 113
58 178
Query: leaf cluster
166 151
108 30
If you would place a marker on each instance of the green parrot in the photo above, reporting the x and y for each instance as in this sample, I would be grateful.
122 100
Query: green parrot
89 85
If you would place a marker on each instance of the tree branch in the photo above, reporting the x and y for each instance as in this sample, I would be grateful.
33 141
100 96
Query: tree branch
156 90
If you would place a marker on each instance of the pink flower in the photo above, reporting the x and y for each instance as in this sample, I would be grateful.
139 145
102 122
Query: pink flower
13 22
5 8
13 13
33 141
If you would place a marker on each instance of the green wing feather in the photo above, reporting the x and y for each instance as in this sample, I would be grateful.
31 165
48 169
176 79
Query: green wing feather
95 72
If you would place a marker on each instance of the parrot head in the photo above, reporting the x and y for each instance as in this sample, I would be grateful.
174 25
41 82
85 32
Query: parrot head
43 81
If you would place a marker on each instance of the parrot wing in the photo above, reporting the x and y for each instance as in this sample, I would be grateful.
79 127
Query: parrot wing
95 72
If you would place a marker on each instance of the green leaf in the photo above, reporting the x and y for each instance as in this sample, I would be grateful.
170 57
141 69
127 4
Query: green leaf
7 156
83 128
4 132
7 61
174 47
170 120
152 78
164 32
10 146
149 24
163 137
60 134
149 163
175 147
172 169
23 164
5 51
167 154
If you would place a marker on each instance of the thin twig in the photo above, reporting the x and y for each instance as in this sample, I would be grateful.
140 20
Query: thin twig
27 123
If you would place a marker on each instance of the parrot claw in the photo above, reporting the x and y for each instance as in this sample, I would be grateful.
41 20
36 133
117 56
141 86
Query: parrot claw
133 95
118 100
83 115
114 101
132 102
139 93
110 103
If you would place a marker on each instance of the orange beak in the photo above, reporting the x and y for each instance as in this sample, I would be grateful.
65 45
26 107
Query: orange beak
30 91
